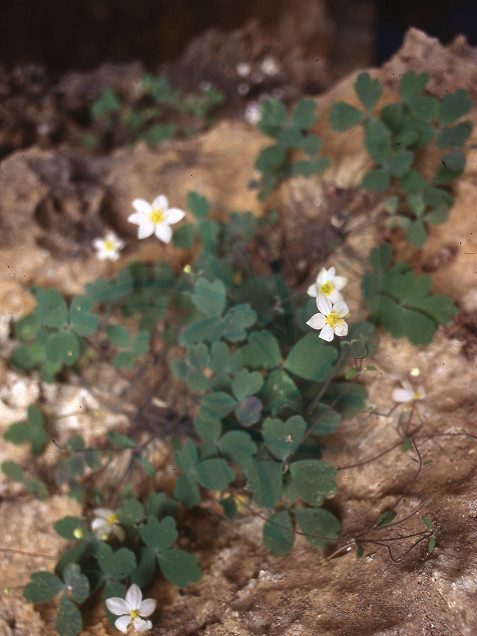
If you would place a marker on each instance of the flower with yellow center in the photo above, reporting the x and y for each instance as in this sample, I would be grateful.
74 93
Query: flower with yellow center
108 248
407 393
328 284
330 318
131 610
155 218
106 524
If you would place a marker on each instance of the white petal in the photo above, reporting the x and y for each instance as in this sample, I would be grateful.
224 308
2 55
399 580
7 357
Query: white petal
341 330
142 626
174 215
100 526
335 296
331 273
98 244
407 386
401 395
341 308
137 218
311 291
340 281
117 605
317 321
103 255
118 532
134 597
323 304
322 277
145 229
421 393
123 623
163 232
147 607
160 202
102 512
141 206
327 333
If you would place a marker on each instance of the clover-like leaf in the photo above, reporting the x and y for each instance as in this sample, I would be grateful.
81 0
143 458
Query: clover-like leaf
62 347
43 586
378 180
82 321
237 447
278 533
265 481
281 438
310 358
214 474
51 308
454 136
412 84
248 410
209 298
69 526
304 114
116 565
319 526
377 140
261 352
30 430
160 505
246 383
198 205
159 535
76 583
69 621
344 116
455 105
314 480
280 393
130 512
368 90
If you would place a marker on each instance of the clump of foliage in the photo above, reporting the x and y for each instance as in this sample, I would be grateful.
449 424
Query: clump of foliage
289 135
393 138
161 112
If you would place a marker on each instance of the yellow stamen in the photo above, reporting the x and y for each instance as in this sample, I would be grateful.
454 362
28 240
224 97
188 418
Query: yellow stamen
111 518
326 289
157 215
109 245
134 614
334 319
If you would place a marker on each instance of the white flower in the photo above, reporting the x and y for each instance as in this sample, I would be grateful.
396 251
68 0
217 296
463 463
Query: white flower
106 523
253 112
328 284
407 393
108 247
243 69
156 218
270 66
330 319
131 610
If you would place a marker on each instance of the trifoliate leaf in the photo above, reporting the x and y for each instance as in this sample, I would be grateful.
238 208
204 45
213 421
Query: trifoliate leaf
62 347
116 565
423 107
198 205
143 575
69 621
51 308
289 138
304 115
416 234
271 158
76 582
82 321
179 567
314 480
412 84
184 237
281 438
236 321
280 393
160 505
274 117
319 526
209 298
208 429
261 352
159 535
278 533
377 140
455 105
368 90
401 163
311 145
378 180
237 447
412 181
131 512
454 136
246 383
393 116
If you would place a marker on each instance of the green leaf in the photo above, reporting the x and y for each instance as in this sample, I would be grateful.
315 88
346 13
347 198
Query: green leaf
401 163
31 430
310 358
179 567
63 347
143 575
159 535
141 343
423 107
377 140
187 491
436 197
359 549
440 308
51 308
304 115
311 145
281 438
209 298
324 419
43 586
381 257
26 328
237 447
363 338
124 359
378 180
416 234
406 445
116 565
412 182
76 582
261 352
368 90
314 480
452 166
160 505
208 429
385 518
13 471
280 392
214 474
455 105
454 136
235 322
82 321
393 116
68 526
123 441
179 368
265 481
427 523
68 618
344 116
185 236
198 205
37 488
412 84
246 383
216 405
274 117
271 158
118 336
248 411
107 102
289 138
319 526
431 545
131 512
279 533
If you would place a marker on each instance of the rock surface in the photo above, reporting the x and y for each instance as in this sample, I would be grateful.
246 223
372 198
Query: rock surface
54 202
